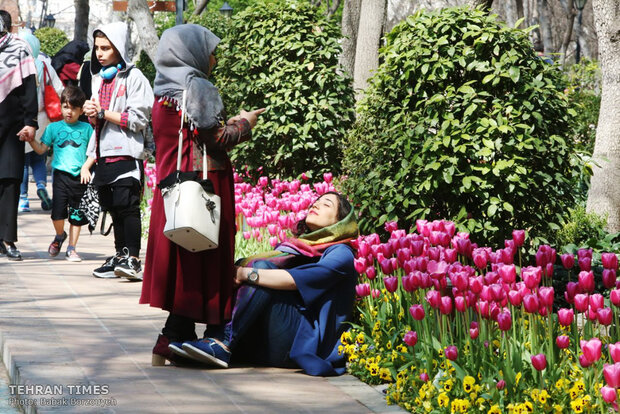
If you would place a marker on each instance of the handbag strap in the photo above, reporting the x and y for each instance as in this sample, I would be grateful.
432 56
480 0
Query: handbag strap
179 152
44 74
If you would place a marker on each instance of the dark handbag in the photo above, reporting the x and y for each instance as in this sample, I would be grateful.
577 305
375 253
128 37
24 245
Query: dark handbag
51 99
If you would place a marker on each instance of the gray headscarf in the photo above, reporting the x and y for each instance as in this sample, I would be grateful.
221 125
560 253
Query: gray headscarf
181 61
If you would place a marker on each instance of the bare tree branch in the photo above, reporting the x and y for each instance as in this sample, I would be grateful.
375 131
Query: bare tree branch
201 6
334 7
486 4
568 34
138 11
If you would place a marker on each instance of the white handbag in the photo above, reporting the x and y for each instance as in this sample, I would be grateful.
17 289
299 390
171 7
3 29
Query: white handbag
192 213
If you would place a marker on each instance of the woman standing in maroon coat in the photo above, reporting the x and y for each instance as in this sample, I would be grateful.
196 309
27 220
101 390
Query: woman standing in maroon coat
193 287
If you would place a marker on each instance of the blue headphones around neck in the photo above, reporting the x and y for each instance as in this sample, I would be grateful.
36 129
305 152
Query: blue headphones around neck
110 72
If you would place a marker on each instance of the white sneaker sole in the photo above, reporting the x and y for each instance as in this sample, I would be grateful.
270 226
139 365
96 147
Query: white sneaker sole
106 275
73 259
127 274
202 356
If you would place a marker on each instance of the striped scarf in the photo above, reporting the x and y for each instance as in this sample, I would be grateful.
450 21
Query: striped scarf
16 64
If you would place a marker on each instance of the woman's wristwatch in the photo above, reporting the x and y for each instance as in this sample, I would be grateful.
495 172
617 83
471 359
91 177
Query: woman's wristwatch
253 276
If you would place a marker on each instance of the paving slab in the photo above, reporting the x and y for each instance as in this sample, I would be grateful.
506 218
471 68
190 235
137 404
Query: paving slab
74 343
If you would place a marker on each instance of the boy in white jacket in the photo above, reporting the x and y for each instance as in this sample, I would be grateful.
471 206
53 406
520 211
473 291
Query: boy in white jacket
120 111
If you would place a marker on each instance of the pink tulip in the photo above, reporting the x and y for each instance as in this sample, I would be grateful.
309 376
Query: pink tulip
362 290
460 281
437 269
424 377
614 351
549 269
571 291
375 293
474 332
476 284
371 272
360 264
515 297
327 177
539 361
531 276
504 321
609 278
480 259
452 352
450 255
562 341
501 384
433 298
417 247
609 260
591 349
363 249
583 361
586 281
386 266
509 244
408 284
460 303
391 283
568 260
609 394
614 297
612 374
411 338
581 253
585 264
507 256
546 295
417 312
565 316
530 303
445 306
605 316
597 301
518 236
581 302
247 235
508 273
273 241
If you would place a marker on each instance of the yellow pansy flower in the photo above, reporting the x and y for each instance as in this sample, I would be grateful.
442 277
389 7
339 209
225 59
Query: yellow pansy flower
543 397
443 400
448 385
374 370
577 405
385 374
360 338
468 384
494 410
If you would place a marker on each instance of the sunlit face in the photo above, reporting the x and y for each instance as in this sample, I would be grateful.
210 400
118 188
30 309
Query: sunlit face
323 213
212 63
70 113
106 54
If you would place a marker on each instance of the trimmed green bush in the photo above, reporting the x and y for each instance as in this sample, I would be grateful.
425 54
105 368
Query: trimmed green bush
462 121
52 40
284 56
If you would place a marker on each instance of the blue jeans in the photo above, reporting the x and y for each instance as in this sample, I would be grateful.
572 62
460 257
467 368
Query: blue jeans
264 324
39 171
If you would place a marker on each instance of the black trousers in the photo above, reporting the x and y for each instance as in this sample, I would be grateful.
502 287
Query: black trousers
9 200
122 200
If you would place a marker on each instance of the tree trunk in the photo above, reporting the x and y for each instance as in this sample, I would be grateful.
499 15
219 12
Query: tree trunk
201 6
520 13
604 195
545 26
138 11
370 29
82 10
510 12
568 34
350 24
484 3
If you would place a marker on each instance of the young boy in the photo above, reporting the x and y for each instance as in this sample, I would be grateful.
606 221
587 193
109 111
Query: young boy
69 139
120 110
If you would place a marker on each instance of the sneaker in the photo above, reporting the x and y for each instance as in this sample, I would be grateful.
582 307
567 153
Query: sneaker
177 348
56 245
106 271
24 205
129 267
73 256
46 201
208 351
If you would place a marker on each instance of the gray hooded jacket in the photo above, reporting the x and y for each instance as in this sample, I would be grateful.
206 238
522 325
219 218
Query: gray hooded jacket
132 94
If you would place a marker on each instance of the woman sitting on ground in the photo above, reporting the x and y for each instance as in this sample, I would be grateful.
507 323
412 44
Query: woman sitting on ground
293 302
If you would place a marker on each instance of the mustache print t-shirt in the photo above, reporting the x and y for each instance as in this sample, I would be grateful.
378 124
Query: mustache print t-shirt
68 143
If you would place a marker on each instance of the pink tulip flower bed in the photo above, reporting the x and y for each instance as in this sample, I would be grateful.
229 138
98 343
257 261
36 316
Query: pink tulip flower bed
454 327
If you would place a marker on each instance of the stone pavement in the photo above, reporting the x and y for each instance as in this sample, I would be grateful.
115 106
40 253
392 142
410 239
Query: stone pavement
74 343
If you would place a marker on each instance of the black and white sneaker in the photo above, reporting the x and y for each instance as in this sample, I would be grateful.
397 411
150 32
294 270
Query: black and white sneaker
106 271
129 267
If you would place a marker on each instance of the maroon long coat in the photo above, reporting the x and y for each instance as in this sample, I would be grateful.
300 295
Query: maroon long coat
195 285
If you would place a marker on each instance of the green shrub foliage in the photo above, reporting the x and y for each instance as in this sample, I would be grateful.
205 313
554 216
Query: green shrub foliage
461 121
284 56
52 39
